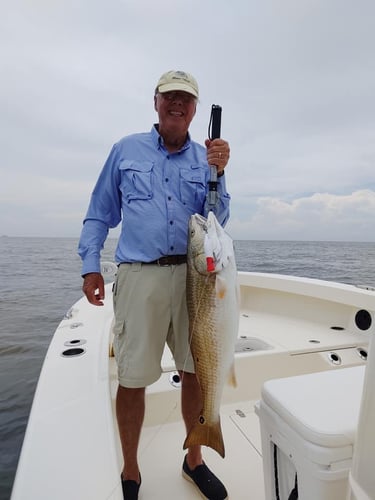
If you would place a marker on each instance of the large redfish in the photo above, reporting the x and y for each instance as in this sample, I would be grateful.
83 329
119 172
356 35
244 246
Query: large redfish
213 306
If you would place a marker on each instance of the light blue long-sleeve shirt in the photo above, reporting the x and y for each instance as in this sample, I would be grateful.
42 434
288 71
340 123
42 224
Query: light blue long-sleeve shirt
154 193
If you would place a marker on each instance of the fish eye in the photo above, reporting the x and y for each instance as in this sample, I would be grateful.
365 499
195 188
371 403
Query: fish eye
192 232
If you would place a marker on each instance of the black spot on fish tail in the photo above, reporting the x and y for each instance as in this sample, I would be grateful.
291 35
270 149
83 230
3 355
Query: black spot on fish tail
206 435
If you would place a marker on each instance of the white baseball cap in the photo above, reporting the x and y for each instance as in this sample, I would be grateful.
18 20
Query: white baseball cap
178 80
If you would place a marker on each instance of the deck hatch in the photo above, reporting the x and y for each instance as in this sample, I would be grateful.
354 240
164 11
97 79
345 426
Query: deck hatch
248 344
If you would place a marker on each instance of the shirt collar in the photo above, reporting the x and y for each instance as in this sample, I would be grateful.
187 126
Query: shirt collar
159 141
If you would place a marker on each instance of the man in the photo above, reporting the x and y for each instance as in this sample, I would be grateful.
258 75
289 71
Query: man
153 182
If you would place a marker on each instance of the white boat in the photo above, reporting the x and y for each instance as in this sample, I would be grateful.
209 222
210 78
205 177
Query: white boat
290 328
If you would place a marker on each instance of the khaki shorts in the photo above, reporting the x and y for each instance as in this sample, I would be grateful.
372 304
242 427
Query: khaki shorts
150 310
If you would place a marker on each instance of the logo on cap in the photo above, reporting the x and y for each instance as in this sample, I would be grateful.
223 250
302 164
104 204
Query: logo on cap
178 80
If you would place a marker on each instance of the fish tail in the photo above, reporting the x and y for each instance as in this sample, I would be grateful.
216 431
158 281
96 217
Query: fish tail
207 435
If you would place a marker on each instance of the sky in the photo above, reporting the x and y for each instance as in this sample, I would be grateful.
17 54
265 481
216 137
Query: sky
295 79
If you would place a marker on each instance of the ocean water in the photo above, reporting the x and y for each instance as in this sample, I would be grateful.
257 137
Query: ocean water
40 280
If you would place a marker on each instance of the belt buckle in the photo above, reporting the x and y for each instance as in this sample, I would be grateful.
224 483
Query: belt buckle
161 264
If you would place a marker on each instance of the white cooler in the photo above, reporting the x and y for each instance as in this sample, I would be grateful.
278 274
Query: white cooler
308 425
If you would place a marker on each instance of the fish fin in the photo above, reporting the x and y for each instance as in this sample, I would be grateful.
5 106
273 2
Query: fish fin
111 351
220 287
232 376
207 435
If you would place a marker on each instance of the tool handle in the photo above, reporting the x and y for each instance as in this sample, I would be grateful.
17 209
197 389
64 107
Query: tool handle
214 129
215 122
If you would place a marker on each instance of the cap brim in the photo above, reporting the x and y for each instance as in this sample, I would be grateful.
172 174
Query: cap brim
168 87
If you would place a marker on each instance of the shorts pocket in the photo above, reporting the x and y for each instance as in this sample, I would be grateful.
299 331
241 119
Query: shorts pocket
118 328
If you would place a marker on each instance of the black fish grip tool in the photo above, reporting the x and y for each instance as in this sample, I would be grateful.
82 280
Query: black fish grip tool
214 128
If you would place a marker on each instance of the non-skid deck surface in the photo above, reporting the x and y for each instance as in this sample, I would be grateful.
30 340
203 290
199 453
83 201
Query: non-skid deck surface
161 456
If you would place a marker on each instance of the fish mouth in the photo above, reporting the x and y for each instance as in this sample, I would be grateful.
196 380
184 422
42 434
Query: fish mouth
199 220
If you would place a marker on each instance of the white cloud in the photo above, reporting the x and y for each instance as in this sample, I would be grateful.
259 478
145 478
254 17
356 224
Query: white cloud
321 216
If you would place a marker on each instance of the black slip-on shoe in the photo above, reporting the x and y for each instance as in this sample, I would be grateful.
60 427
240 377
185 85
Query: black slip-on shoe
208 484
130 488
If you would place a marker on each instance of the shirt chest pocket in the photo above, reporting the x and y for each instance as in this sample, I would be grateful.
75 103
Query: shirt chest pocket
192 186
136 179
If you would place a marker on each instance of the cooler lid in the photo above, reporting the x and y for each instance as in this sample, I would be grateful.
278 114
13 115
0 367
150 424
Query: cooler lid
322 407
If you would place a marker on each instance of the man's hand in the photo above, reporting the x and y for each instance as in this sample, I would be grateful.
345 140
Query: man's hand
93 288
218 152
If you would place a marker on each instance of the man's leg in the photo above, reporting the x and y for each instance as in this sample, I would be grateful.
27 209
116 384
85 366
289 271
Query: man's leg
130 411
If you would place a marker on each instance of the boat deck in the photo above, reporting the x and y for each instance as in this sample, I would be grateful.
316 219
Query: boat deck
161 454
288 326
284 340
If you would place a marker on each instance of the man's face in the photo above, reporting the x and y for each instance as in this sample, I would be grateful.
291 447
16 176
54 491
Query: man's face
176 109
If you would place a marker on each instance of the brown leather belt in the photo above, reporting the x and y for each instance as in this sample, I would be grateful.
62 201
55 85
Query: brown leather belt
169 260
